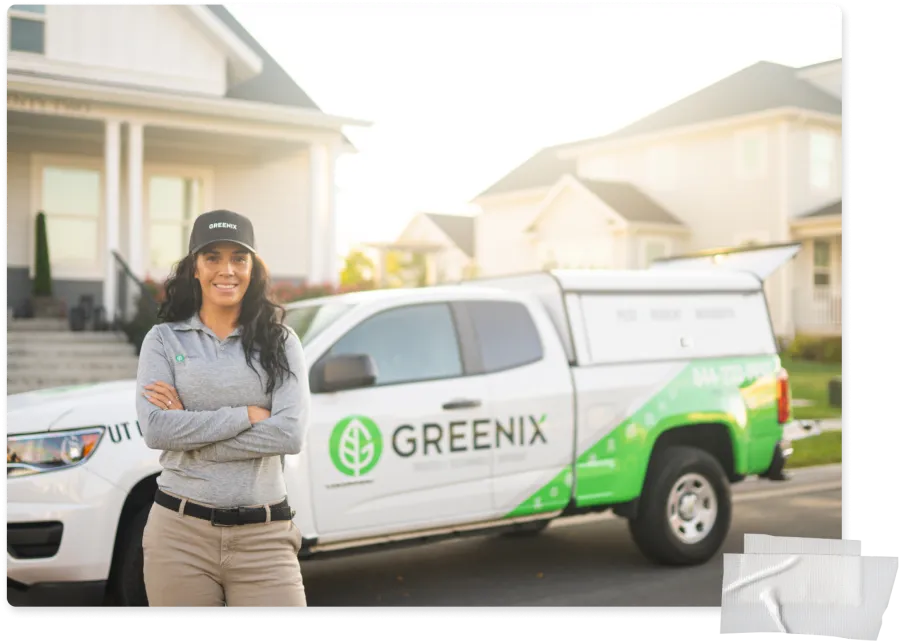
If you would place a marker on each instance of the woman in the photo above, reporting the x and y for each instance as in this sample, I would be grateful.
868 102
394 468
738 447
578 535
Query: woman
223 392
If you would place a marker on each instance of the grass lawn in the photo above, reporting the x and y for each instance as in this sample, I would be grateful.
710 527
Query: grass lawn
816 450
809 380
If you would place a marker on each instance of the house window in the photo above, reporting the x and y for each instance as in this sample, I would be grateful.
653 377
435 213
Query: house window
751 152
71 199
821 263
26 28
822 155
174 203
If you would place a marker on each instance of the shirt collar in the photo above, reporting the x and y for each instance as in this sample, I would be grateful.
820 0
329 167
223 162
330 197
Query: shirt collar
194 323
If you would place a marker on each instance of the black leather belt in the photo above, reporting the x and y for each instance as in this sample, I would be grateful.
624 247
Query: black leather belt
227 516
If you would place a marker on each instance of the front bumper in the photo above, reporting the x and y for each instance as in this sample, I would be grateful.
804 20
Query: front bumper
55 593
65 523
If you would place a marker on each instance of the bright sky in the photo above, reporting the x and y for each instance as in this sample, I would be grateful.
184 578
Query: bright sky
460 93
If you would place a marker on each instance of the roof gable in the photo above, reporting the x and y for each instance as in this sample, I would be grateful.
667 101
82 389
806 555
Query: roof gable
273 85
543 169
243 62
759 87
626 201
631 203
460 230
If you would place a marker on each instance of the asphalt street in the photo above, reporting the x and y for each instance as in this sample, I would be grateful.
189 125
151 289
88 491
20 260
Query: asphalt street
579 561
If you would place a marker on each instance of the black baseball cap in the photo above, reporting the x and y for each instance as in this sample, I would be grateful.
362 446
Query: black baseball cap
222 225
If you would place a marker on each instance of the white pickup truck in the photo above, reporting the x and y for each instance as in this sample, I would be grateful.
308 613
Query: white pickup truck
495 404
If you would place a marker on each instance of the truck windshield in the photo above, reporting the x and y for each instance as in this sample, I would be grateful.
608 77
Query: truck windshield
309 320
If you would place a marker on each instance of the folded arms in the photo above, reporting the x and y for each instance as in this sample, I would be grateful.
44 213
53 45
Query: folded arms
226 434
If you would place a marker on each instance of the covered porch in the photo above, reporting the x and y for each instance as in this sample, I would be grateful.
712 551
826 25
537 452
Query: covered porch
130 181
818 272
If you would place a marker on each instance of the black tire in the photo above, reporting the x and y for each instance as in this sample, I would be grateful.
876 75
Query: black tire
126 579
652 531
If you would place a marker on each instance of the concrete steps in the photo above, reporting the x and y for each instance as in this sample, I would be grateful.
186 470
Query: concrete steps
40 325
43 353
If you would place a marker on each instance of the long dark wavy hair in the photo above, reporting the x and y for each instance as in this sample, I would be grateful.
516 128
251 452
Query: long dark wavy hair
260 317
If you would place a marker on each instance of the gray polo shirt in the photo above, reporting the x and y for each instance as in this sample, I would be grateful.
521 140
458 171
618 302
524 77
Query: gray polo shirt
211 453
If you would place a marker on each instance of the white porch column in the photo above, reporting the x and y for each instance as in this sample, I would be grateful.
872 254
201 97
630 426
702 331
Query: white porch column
112 154
318 205
322 240
332 272
135 208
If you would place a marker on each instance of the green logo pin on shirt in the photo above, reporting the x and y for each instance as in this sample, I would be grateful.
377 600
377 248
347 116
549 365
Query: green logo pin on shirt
179 358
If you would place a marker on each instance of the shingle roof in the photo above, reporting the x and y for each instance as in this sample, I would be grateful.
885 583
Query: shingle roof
759 87
762 86
630 202
541 170
460 229
820 64
829 210
273 85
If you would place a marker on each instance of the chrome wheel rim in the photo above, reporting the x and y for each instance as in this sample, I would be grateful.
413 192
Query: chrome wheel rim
692 508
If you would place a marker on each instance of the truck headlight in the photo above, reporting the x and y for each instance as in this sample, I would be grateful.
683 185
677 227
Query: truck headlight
45 452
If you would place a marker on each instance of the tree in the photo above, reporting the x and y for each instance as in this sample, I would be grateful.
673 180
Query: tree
405 269
358 270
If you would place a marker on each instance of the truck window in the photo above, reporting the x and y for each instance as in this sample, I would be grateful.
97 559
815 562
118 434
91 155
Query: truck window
309 320
507 336
411 343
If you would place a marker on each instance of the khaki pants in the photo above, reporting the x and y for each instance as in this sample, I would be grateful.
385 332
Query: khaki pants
190 562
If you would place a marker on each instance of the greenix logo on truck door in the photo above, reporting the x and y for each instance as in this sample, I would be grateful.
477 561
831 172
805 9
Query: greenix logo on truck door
356 443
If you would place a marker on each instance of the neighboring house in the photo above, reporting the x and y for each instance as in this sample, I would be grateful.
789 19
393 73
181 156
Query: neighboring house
753 158
125 122
451 242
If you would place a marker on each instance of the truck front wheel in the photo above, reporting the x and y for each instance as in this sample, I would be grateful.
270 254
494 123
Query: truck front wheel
684 512
127 577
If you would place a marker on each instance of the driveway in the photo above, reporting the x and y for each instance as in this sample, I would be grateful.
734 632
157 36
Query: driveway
579 561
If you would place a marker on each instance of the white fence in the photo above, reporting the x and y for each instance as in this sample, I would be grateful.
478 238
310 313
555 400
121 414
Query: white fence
817 310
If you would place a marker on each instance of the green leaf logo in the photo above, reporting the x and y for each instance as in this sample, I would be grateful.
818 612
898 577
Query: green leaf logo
355 445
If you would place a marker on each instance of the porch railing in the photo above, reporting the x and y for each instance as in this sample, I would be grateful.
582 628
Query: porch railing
136 307
818 309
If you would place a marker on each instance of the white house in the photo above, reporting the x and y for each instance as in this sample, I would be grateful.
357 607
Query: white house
449 240
753 158
125 122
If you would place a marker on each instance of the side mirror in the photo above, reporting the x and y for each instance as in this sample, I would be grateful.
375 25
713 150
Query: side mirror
343 372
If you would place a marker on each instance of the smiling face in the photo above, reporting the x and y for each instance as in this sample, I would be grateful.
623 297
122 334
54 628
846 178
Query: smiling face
223 270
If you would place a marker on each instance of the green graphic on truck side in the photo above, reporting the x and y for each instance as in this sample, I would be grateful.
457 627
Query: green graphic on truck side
355 445
552 497
737 393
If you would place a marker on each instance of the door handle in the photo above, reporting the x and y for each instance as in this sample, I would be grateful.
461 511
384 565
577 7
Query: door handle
458 404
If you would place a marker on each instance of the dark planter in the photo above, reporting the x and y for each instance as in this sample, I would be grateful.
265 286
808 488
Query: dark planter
77 320
834 392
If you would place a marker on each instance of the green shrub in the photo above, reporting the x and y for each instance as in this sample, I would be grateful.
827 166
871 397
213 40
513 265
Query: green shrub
43 282
811 348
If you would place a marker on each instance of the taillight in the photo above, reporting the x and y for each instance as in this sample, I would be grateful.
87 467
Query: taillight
784 396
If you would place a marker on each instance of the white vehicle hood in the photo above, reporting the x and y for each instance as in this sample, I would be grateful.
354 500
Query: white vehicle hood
43 410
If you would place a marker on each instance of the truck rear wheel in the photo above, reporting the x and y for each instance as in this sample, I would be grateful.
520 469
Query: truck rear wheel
685 510
127 576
